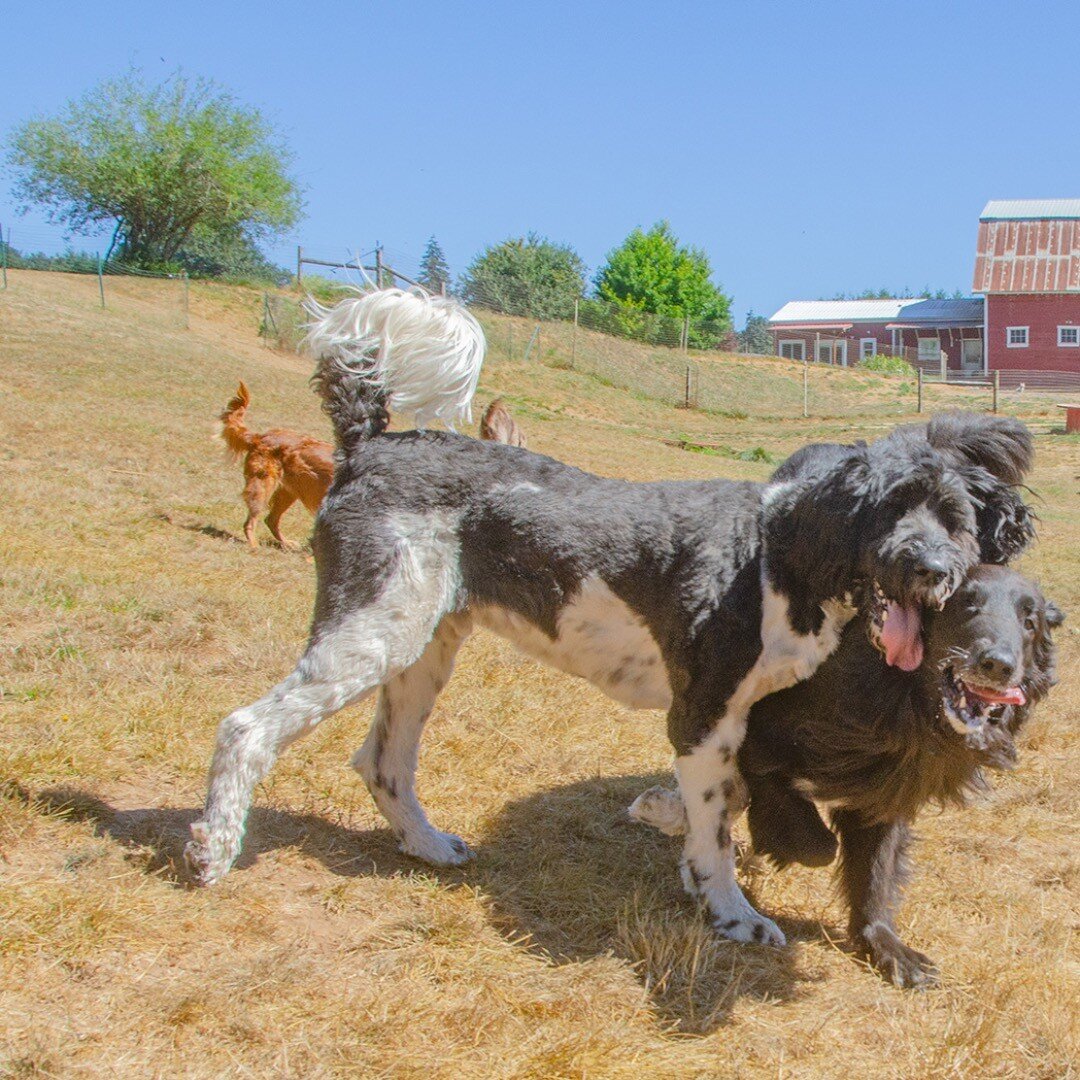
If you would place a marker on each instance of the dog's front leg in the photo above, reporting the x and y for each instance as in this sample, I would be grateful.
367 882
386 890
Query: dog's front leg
710 785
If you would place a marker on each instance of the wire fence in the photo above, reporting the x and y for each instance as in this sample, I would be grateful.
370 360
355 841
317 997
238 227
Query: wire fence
672 360
117 285
659 362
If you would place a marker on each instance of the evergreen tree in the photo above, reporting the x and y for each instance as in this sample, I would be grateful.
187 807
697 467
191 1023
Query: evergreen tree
434 270
755 337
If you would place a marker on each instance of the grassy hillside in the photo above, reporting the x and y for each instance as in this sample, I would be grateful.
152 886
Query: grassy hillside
132 618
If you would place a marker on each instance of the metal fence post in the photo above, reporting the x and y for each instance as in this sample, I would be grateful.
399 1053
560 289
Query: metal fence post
919 409
573 337
101 278
997 387
187 301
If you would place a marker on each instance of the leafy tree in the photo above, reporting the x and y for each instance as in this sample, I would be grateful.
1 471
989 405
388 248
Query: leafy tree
162 164
526 276
755 336
434 270
650 271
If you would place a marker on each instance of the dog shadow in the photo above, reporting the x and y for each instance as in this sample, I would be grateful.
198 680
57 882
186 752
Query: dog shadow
215 532
565 872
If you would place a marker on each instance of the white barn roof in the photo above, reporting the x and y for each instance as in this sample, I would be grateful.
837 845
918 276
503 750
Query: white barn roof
802 311
1030 209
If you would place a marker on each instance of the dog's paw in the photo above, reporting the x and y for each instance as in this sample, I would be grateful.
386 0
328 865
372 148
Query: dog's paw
660 807
903 966
437 848
754 929
208 858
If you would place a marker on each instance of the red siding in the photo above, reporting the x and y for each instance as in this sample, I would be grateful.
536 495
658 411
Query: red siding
852 337
1043 315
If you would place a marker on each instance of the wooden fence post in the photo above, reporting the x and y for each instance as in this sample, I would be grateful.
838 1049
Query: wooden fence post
919 409
299 267
101 278
187 301
573 337
805 388
3 255
997 387
687 394
378 268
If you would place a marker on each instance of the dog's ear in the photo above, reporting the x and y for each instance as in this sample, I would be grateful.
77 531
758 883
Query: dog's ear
1054 615
1001 445
1005 523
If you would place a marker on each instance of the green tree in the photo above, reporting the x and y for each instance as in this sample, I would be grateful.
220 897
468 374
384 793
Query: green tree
755 336
651 272
161 164
526 276
434 270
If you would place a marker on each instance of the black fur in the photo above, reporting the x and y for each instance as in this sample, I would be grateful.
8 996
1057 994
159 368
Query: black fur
874 741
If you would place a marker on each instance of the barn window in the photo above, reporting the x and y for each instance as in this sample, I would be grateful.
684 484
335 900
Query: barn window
929 349
1069 337
793 350
867 347
1016 337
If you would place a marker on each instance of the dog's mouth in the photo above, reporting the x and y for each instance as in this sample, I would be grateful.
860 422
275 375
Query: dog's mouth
969 707
896 630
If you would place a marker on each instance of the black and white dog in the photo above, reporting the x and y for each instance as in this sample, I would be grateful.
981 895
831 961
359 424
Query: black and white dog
877 744
696 597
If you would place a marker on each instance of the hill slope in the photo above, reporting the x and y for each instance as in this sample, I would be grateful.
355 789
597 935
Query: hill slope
133 619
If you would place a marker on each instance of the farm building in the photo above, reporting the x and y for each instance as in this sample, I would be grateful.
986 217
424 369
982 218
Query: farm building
846 331
1025 316
1027 266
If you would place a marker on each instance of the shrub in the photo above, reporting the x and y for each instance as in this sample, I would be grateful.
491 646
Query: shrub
888 365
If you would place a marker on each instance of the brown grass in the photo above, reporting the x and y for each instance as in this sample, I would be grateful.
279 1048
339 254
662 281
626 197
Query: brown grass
132 619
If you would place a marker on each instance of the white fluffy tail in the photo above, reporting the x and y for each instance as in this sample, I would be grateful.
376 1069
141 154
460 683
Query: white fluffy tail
394 351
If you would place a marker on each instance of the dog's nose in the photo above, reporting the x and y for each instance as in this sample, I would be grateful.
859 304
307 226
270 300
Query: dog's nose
932 570
997 666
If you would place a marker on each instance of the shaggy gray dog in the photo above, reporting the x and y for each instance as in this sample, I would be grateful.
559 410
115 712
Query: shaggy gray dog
699 598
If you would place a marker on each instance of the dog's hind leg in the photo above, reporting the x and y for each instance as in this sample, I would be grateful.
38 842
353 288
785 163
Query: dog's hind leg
262 476
387 761
355 646
281 502
250 739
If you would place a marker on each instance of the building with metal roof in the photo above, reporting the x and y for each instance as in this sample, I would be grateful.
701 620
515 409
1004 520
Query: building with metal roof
1025 315
1027 266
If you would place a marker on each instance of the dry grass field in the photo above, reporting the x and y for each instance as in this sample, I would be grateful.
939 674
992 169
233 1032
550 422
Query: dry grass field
132 618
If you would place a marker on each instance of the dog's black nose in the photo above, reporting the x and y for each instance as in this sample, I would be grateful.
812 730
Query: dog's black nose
997 666
932 570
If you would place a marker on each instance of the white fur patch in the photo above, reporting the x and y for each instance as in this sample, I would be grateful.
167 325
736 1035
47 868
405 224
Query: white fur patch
599 639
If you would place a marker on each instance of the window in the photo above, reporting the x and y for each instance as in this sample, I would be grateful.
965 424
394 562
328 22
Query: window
1016 337
793 350
867 347
929 350
1069 337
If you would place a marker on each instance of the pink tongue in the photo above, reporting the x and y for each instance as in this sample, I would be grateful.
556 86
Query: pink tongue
901 634
1013 696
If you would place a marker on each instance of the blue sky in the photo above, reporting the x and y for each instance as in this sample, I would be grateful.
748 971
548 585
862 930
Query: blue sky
808 148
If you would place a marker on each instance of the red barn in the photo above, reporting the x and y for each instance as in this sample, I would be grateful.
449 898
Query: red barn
927 332
1027 265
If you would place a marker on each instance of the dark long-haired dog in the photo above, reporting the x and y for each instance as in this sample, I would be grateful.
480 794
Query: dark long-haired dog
698 597
878 744
280 467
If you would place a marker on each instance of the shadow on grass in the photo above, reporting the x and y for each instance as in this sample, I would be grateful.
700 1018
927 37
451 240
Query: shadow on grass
565 873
